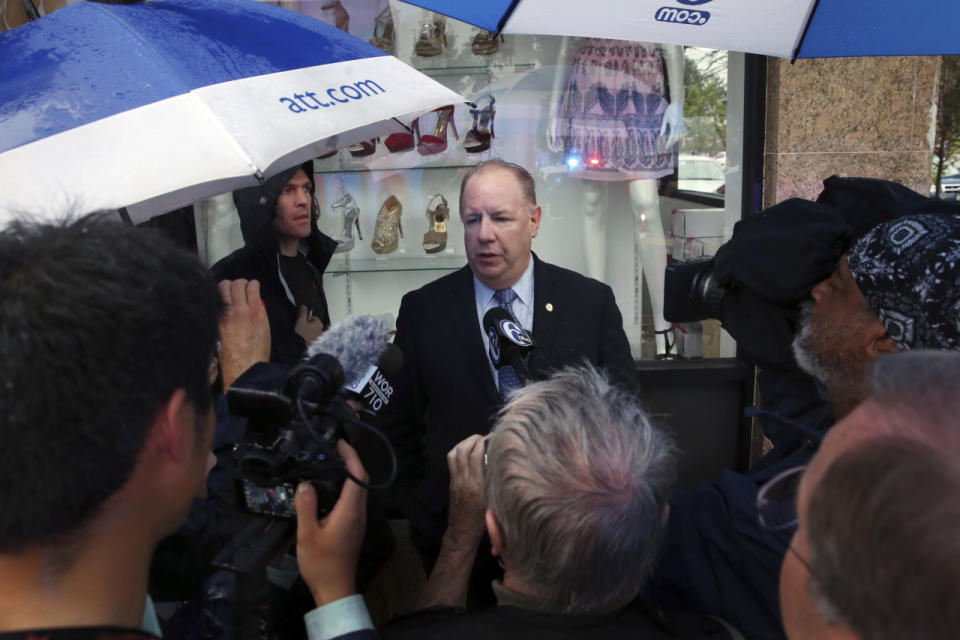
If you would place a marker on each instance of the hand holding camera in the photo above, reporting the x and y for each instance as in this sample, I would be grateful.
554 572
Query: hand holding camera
467 504
327 550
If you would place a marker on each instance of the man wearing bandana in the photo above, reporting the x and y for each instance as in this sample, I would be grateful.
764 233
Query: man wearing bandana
896 289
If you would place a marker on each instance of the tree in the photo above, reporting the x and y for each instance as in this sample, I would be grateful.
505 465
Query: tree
705 104
946 146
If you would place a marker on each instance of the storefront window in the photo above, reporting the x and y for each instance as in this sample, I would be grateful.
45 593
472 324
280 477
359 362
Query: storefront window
584 116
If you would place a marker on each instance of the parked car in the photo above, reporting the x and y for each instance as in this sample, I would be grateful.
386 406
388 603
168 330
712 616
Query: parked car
950 187
700 173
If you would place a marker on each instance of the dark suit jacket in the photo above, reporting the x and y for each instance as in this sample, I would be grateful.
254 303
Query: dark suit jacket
446 392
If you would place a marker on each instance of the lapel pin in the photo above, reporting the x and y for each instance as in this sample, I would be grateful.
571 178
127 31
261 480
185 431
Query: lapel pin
549 306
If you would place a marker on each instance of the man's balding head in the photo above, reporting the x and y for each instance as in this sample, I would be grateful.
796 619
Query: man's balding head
876 554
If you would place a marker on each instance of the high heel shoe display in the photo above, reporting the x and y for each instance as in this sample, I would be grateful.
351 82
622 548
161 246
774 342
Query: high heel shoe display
669 342
383 32
346 207
339 15
403 141
485 43
362 149
385 237
433 37
435 239
478 138
431 143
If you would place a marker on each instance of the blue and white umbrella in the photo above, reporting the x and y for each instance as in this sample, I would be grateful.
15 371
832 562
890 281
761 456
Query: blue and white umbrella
153 106
783 28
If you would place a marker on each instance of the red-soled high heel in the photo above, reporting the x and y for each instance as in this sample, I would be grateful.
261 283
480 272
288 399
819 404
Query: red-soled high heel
430 144
403 141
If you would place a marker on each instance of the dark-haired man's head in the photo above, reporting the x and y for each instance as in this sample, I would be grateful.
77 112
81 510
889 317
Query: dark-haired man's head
106 337
294 214
898 288
876 555
577 485
284 205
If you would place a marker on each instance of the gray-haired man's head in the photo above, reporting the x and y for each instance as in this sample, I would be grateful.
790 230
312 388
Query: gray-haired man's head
578 480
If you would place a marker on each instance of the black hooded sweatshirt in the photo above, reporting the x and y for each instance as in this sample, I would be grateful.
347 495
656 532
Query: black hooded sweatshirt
259 260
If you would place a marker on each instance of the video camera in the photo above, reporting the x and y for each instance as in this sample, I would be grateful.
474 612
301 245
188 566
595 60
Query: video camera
757 280
292 435
692 291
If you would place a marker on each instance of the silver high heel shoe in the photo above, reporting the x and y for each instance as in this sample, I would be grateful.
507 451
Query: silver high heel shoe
347 207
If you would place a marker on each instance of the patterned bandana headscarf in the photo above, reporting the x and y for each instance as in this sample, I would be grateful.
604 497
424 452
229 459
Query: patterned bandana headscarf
908 269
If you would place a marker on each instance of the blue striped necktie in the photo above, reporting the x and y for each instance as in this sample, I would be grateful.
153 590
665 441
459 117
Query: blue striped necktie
507 380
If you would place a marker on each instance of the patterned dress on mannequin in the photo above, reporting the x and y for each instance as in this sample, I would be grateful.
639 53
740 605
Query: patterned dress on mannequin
612 109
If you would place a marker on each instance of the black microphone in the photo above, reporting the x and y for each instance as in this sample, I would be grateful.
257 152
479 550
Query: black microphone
374 388
510 344
361 345
353 354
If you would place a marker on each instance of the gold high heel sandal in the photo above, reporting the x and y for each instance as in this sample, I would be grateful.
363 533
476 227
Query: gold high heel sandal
433 37
435 240
486 42
385 238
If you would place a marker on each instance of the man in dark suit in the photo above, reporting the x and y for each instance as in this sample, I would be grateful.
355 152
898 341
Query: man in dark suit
448 388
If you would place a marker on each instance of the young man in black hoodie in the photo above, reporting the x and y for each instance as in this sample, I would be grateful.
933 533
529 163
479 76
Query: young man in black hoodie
286 252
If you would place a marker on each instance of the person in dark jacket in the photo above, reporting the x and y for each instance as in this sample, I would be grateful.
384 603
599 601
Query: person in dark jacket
572 491
897 288
105 421
286 252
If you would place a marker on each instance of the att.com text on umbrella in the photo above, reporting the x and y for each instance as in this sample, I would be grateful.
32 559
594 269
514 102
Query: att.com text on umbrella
313 100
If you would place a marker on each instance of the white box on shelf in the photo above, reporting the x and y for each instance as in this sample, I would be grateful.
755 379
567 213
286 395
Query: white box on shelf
696 232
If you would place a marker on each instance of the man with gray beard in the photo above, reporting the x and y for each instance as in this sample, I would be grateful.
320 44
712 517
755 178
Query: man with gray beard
897 289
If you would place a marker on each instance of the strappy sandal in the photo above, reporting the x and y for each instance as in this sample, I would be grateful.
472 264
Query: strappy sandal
669 341
478 138
346 207
435 240
433 37
485 43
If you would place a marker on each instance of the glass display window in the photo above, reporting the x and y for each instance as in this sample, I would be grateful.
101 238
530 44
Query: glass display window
636 150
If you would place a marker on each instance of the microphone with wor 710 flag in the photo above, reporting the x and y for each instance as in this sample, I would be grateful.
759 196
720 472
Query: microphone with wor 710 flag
296 415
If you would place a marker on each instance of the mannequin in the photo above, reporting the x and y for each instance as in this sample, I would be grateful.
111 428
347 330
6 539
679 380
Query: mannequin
618 110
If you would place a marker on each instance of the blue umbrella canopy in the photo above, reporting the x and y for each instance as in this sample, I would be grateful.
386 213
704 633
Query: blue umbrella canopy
788 28
152 106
